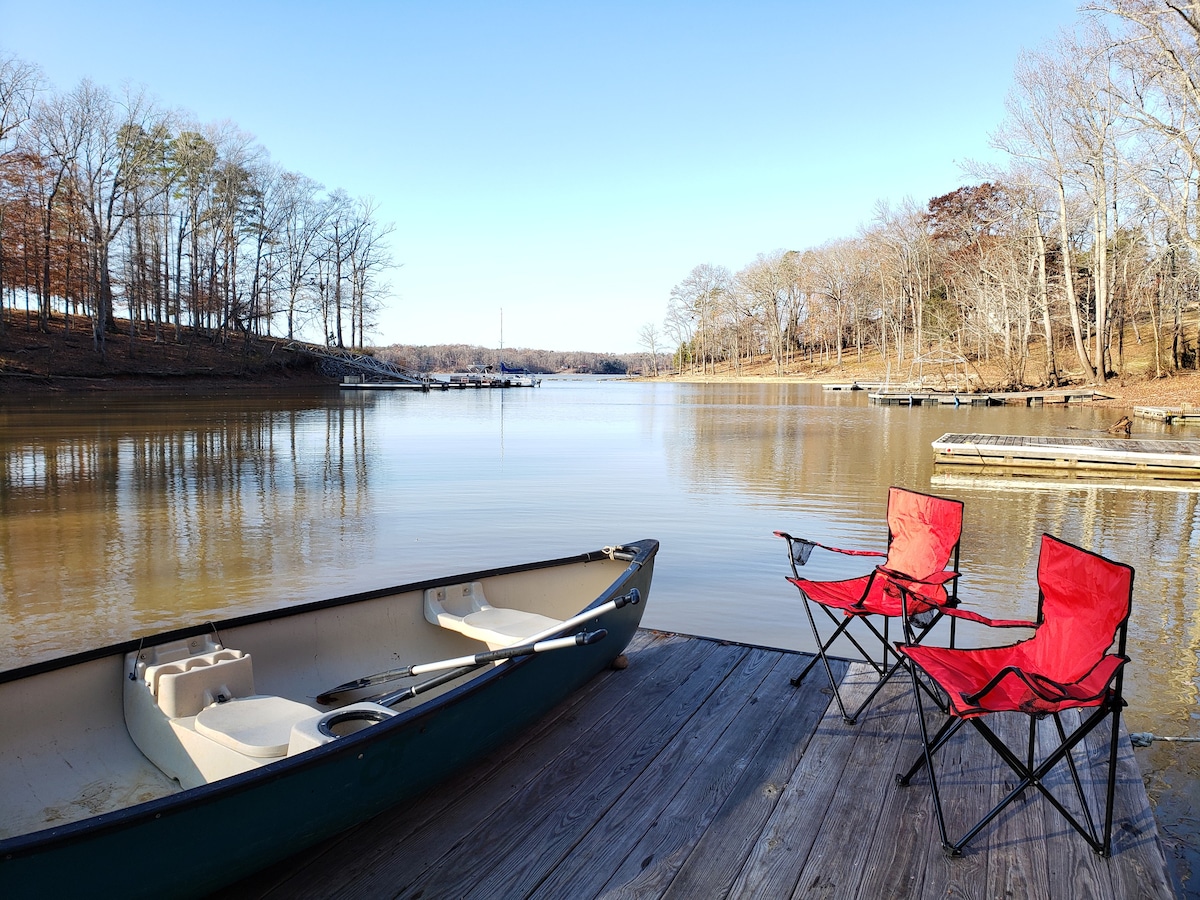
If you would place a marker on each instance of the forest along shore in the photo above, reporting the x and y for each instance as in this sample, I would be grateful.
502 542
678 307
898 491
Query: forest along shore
65 358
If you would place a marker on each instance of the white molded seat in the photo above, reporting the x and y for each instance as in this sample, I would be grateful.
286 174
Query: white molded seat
463 608
184 687
258 726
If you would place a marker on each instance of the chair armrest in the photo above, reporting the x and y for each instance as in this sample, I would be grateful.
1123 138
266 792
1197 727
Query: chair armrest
906 585
1087 688
803 547
972 616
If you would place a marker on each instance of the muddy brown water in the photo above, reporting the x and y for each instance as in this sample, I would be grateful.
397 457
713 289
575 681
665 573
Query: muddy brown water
125 514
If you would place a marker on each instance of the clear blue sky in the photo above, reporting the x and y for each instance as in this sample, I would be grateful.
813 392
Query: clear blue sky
569 163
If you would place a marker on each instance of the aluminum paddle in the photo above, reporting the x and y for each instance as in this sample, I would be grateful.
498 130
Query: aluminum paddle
633 597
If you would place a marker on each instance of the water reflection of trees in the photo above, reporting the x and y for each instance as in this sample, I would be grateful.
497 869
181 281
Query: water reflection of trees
824 462
103 516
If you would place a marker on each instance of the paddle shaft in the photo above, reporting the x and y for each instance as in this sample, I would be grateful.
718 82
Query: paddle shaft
488 656
466 664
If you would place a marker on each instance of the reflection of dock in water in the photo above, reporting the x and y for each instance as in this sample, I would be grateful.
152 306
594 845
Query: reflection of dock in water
1030 481
1118 456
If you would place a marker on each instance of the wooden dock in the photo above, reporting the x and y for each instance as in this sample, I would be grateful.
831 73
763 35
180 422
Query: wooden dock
853 386
917 397
1125 456
1172 416
700 772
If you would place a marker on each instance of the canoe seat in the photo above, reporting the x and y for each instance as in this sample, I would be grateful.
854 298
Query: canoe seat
258 726
185 686
192 709
463 608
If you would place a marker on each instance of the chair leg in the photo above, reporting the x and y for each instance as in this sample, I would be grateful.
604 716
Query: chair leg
881 668
1070 757
948 730
1028 774
1100 841
821 655
927 757
1113 742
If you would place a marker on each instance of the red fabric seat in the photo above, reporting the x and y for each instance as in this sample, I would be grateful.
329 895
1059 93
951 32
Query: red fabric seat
1073 660
923 539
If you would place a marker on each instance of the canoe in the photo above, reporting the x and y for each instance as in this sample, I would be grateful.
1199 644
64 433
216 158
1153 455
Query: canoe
174 764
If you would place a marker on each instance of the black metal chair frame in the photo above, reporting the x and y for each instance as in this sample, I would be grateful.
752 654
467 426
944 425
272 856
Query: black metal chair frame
1029 772
914 629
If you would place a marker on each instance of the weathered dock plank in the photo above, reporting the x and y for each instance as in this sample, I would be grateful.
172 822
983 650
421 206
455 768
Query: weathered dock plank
667 805
714 861
700 771
838 860
1127 456
777 858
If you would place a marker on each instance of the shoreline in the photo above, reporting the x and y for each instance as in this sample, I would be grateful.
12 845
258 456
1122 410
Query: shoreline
60 359
1181 390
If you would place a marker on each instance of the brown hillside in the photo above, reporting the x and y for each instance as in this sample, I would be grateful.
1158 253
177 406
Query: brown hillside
59 358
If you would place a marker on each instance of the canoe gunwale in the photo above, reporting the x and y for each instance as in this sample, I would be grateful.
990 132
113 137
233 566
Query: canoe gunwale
188 631
56 837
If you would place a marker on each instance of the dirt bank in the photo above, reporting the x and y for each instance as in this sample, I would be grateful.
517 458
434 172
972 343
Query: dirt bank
64 357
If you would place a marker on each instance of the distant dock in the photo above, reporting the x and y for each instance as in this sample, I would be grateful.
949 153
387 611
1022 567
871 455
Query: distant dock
1172 416
358 383
1125 456
699 771
853 386
451 382
916 397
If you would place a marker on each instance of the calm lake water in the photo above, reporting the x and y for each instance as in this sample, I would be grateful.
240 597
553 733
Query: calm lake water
121 515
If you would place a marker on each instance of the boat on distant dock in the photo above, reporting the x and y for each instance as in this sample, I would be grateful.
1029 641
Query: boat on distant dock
176 763
486 376
520 377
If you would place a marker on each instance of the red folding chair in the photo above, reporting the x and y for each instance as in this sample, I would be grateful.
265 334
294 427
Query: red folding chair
923 539
1068 663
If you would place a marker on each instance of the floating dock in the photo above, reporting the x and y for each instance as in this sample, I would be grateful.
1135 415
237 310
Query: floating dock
904 397
699 771
1176 416
853 386
358 383
1125 456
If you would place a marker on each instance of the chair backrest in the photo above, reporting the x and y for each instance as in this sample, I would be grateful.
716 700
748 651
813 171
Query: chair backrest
923 532
1084 599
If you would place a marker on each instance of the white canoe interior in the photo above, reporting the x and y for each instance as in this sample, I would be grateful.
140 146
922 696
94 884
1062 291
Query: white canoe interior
112 732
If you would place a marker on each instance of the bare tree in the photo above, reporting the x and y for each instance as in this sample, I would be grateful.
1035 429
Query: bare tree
19 85
648 338
369 258
1034 134
302 225
771 288
696 305
55 135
